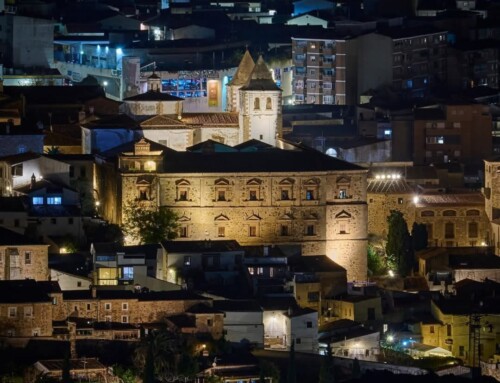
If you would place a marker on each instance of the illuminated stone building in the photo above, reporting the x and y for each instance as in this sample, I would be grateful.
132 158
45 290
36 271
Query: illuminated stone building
453 217
255 194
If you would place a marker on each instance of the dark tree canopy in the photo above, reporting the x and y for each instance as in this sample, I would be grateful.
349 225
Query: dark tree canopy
149 226
398 246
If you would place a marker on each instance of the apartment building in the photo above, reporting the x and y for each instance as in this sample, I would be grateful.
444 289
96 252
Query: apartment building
337 70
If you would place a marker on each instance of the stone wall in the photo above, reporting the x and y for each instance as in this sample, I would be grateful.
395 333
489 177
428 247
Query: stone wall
24 262
340 199
30 319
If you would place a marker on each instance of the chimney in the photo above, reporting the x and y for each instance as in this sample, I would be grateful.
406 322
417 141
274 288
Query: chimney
93 290
33 181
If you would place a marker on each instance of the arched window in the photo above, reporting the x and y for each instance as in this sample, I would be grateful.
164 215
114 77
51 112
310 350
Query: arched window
472 213
449 213
269 104
256 103
427 213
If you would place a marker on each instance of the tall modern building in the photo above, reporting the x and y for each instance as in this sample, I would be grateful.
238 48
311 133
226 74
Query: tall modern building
333 70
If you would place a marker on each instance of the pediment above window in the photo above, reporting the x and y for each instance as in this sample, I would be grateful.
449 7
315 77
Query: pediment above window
182 182
254 181
343 214
221 217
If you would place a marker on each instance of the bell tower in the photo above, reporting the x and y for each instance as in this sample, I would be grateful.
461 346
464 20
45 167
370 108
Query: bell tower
260 112
240 78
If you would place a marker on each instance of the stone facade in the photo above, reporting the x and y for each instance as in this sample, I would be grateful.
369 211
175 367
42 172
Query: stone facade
324 211
24 262
30 319
453 217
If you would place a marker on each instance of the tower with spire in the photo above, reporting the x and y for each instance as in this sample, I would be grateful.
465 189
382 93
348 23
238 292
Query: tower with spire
260 109
240 78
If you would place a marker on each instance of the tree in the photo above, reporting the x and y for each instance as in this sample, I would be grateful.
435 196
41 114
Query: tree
66 368
327 372
53 150
158 352
356 369
398 245
149 226
148 373
419 236
375 262
292 374
268 369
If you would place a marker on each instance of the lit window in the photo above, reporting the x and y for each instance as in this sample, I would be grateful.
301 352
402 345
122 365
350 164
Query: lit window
310 195
128 273
342 193
37 200
57 200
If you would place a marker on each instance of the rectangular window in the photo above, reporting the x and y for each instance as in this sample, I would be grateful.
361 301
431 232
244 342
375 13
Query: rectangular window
221 195
183 232
124 318
252 231
107 306
107 318
342 228
310 230
37 200
473 229
124 306
310 195
28 312
27 257
88 306
284 230
285 194
221 231
83 172
313 296
431 329
210 322
342 193
309 324
183 195
448 330
56 200
128 273
449 230
252 196
461 351
12 312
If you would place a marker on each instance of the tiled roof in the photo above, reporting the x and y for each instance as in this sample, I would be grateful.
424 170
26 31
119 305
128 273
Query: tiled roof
163 121
22 291
120 121
207 119
261 78
201 246
21 157
11 238
451 199
153 96
313 263
230 305
75 364
244 70
12 204
397 186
